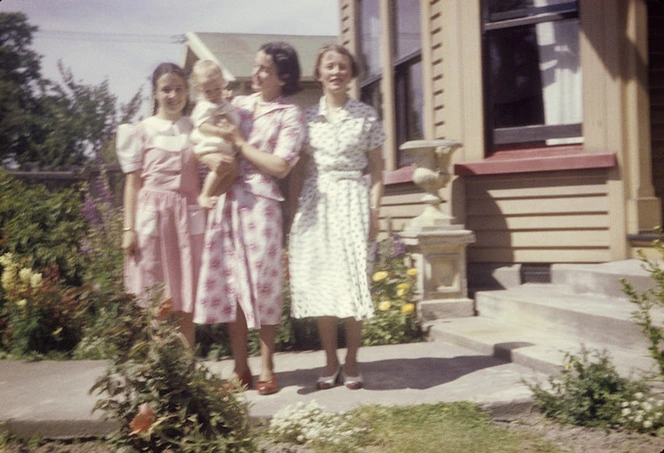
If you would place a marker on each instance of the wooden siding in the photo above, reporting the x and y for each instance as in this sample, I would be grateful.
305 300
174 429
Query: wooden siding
539 217
656 91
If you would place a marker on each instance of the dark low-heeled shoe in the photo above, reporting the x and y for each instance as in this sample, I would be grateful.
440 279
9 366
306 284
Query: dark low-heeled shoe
267 387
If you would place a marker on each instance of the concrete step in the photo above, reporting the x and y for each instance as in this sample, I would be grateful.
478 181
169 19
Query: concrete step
530 346
602 279
555 310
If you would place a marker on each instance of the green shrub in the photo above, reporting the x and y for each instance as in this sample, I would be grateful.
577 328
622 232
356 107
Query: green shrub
162 398
648 300
587 392
43 227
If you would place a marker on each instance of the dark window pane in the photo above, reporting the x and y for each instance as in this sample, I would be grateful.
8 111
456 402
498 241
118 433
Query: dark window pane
370 37
370 94
409 103
534 79
514 77
407 28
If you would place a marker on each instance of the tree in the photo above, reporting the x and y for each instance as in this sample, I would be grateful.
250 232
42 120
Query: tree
75 121
45 122
20 77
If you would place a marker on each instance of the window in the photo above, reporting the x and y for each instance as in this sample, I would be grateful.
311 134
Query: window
406 68
532 73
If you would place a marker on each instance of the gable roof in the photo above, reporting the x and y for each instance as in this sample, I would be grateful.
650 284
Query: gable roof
234 52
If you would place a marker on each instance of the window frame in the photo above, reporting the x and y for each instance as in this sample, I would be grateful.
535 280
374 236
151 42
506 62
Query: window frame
498 139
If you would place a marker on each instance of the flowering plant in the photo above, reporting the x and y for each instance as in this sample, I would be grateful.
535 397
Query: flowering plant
311 424
163 400
393 290
39 313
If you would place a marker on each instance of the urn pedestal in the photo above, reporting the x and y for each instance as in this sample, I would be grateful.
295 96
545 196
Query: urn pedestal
435 242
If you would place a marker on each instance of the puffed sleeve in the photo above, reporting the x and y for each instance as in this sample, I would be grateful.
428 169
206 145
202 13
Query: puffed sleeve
291 136
129 147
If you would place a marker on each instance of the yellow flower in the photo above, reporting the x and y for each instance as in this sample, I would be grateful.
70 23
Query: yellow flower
380 275
25 274
384 305
412 272
408 308
402 288
36 280
6 259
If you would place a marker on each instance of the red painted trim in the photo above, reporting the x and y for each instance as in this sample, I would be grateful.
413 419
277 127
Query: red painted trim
403 174
536 160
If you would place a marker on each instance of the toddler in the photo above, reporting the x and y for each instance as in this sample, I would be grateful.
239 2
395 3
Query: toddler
211 108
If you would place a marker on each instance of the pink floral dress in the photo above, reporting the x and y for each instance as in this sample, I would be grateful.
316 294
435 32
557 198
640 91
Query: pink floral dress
169 223
242 257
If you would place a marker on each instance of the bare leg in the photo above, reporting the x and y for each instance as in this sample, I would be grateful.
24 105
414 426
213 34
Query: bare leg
205 199
267 336
327 329
187 327
237 331
353 341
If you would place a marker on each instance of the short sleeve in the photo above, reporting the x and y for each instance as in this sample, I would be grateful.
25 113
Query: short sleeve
129 147
291 136
376 135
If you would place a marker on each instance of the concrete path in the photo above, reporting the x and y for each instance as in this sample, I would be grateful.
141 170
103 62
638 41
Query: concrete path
51 398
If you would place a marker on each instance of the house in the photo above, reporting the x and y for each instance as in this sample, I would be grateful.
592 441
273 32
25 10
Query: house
235 52
559 105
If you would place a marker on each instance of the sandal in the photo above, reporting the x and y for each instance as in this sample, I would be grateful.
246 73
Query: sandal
353 382
327 382
267 387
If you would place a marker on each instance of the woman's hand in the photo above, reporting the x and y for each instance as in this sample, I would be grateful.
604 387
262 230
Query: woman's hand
129 243
227 130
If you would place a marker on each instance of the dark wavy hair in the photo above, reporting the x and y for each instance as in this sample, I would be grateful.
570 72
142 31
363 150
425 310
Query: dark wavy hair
167 68
284 58
354 68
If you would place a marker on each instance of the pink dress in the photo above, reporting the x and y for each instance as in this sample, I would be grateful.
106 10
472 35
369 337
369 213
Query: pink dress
242 259
170 225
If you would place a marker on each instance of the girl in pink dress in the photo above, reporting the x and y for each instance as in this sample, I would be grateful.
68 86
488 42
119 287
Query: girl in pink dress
241 279
163 224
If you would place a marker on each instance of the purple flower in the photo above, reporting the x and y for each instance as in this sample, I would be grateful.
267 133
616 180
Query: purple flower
398 247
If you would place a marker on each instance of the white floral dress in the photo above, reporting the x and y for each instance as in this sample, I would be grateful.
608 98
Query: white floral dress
328 240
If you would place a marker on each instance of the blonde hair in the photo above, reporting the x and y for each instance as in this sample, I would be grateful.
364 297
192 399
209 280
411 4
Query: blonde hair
204 68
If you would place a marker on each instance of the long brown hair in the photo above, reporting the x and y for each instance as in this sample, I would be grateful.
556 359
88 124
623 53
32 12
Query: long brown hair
167 68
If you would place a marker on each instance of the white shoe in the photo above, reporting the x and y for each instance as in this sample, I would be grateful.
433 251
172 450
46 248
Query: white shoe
353 382
327 382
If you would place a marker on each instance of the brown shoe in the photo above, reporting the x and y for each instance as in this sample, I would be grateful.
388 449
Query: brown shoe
267 387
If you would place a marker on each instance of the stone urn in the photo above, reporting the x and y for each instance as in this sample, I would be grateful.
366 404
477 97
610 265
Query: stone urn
431 161
436 243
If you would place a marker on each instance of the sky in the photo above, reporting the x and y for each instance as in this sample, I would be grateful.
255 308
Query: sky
123 41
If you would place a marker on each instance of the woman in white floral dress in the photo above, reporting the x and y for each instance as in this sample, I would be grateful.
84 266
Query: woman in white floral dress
241 279
337 214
